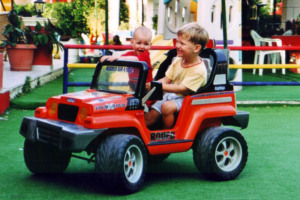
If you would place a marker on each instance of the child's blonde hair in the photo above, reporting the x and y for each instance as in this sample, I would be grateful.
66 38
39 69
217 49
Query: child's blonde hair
195 34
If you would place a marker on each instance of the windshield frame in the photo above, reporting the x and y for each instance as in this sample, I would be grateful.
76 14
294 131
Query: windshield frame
142 66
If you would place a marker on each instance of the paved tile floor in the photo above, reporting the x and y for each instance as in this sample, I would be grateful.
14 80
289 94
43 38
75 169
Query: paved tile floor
15 79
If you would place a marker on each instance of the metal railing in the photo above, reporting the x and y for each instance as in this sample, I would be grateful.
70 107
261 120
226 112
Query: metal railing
67 65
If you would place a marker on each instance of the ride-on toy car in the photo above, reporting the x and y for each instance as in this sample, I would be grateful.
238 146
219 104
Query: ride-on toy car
107 121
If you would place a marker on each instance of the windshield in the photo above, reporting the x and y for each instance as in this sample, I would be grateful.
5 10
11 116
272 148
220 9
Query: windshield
121 79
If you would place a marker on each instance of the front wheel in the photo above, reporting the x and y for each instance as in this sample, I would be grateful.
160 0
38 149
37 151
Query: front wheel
121 162
42 158
220 153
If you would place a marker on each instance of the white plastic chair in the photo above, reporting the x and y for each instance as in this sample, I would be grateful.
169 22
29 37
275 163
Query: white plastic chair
260 55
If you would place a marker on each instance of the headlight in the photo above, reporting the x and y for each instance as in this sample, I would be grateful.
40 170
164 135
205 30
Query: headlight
53 109
82 114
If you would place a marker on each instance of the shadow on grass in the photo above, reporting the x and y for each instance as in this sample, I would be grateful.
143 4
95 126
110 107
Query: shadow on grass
170 171
166 172
81 182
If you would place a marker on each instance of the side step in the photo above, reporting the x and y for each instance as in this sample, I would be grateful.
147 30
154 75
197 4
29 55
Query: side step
164 142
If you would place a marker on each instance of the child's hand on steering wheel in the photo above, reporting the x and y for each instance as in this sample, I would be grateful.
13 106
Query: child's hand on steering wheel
148 86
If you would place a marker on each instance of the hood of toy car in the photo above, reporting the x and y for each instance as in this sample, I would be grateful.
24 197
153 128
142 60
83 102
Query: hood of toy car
100 101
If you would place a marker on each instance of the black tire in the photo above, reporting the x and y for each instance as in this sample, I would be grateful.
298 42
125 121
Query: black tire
154 159
220 153
121 162
41 158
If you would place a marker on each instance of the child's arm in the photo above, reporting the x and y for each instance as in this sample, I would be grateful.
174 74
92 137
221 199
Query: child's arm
164 80
113 58
173 88
167 86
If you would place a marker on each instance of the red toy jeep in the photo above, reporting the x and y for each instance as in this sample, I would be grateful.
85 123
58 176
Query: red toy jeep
107 121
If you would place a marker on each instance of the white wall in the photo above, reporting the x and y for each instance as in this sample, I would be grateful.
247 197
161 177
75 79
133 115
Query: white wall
113 15
290 10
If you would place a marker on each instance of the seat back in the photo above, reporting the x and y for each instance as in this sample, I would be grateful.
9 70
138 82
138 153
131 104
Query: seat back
218 79
165 64
206 62
256 37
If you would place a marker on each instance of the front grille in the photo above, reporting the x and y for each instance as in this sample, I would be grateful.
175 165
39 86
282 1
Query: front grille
67 112
48 135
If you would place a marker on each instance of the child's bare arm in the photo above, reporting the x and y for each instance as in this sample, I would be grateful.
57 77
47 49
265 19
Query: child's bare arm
167 86
134 58
113 58
164 80
173 88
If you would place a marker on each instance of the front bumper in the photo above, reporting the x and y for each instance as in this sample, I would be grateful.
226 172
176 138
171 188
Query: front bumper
66 136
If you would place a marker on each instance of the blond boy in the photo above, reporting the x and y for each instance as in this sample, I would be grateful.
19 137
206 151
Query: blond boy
186 74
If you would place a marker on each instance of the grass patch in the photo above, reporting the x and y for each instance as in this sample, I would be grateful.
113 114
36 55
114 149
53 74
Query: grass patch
271 172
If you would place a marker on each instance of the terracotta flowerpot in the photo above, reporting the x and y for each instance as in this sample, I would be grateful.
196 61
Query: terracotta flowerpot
21 56
41 56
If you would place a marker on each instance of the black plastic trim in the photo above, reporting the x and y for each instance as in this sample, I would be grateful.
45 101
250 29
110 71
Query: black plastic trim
66 136
164 142
139 92
241 119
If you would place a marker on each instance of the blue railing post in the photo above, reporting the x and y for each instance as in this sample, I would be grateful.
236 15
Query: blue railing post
66 71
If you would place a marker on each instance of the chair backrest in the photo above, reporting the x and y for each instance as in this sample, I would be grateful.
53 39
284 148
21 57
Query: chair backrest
218 79
165 64
206 62
255 37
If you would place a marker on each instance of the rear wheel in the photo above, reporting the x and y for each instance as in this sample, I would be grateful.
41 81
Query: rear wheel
121 162
220 153
42 158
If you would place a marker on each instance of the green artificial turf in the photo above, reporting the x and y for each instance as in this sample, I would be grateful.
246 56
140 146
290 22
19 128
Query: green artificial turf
269 93
39 95
272 170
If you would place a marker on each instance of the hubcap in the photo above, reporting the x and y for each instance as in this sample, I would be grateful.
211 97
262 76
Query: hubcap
228 154
133 164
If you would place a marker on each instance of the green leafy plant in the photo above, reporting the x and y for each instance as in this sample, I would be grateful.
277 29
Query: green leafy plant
25 10
27 87
155 20
124 26
16 33
46 36
123 12
71 17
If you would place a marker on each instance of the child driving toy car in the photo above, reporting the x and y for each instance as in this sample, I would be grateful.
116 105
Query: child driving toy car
186 74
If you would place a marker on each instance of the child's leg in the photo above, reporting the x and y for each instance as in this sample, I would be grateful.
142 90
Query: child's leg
167 110
151 117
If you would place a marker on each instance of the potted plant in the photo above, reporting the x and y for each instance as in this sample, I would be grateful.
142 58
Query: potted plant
45 38
20 53
29 38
